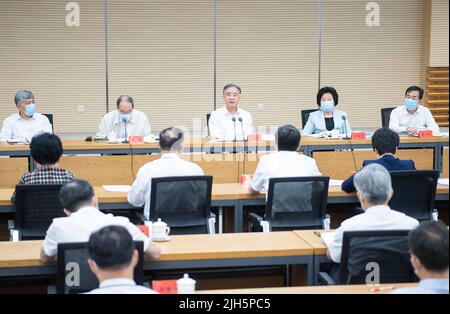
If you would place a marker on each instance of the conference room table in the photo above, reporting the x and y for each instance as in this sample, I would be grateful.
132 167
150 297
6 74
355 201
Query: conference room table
233 195
184 253
309 145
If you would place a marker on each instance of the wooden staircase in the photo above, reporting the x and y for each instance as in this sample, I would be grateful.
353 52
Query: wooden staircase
437 94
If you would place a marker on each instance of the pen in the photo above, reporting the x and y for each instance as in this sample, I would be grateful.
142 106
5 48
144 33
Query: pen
317 233
377 289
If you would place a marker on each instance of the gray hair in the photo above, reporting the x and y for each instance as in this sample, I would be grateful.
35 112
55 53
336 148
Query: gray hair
373 182
232 85
22 95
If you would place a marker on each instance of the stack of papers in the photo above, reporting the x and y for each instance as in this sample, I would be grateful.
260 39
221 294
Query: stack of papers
334 182
443 181
117 188
327 237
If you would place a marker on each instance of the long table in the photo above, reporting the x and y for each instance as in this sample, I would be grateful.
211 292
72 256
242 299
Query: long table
185 252
309 145
227 194
337 289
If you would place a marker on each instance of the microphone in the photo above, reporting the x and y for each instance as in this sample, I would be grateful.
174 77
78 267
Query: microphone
125 120
234 121
344 117
242 128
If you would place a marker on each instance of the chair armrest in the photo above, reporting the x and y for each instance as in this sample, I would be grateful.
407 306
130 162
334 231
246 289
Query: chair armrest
140 217
254 217
212 225
11 224
265 226
435 215
14 235
325 279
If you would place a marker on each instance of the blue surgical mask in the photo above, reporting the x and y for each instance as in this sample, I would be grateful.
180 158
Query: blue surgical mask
327 106
30 110
410 104
125 117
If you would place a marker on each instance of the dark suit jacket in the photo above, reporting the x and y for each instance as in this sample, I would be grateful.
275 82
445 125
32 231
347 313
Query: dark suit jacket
389 162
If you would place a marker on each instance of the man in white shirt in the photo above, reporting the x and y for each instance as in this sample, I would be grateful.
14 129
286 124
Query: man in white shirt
230 122
112 258
286 162
169 165
83 218
26 123
412 116
428 244
374 190
125 117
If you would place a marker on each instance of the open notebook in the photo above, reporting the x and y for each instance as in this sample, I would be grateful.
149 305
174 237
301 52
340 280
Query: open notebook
327 237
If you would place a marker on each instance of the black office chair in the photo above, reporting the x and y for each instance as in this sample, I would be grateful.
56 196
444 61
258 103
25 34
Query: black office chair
293 203
414 192
74 274
50 119
368 253
305 116
386 116
36 207
208 115
184 203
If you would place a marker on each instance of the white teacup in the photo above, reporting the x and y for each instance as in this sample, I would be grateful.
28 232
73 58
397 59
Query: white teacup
160 230
186 285
112 136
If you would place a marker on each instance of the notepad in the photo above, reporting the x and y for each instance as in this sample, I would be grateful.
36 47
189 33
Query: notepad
334 182
327 237
117 188
443 181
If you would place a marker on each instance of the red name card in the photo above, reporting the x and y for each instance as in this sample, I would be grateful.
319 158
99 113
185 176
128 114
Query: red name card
358 135
144 229
246 179
136 139
165 286
425 134
254 137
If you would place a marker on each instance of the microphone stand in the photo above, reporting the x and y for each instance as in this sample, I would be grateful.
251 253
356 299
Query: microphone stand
346 137
234 121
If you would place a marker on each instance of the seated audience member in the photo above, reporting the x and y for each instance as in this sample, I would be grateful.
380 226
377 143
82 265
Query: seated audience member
26 123
169 165
384 143
114 121
221 124
46 149
412 116
428 244
83 218
112 258
374 190
285 162
327 118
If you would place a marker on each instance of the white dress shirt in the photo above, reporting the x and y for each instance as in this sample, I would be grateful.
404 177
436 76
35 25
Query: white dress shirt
401 119
221 125
282 164
121 286
14 127
138 125
169 165
79 226
379 217
426 286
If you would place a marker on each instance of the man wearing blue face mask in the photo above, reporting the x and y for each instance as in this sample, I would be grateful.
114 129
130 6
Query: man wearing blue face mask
135 122
26 123
328 118
412 116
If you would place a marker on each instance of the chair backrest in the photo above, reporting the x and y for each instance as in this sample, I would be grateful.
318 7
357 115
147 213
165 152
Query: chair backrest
74 274
386 116
208 115
365 254
50 119
296 202
184 203
414 192
305 116
36 207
